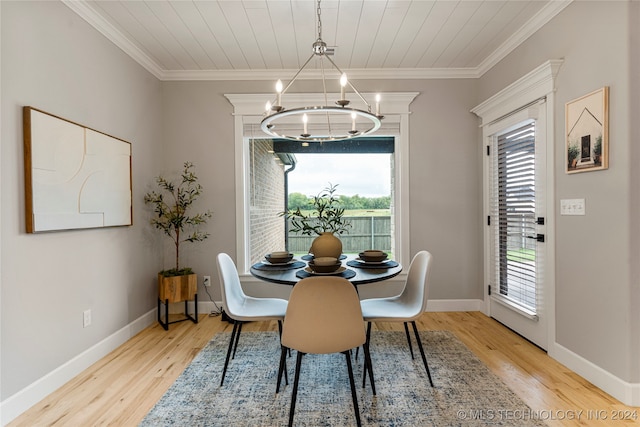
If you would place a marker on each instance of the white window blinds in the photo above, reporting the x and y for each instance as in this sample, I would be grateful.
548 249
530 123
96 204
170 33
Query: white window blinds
514 199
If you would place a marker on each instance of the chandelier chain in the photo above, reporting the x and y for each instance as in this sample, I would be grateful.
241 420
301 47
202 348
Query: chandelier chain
319 22
336 118
326 99
324 83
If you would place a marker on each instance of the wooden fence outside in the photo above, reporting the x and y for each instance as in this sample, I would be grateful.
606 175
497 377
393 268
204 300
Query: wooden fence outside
366 232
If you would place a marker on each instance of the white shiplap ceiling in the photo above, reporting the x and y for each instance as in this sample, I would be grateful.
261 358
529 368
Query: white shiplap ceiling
258 39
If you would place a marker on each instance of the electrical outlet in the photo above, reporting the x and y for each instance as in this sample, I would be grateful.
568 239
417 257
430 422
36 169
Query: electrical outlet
86 318
206 280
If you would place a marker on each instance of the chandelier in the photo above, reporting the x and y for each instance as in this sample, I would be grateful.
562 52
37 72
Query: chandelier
320 123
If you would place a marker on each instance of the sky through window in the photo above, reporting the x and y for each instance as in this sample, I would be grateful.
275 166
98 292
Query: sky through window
367 175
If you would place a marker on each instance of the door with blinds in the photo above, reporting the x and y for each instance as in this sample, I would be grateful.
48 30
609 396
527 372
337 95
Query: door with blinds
516 155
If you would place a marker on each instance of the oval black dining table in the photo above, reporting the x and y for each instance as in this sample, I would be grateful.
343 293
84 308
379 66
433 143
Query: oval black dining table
354 271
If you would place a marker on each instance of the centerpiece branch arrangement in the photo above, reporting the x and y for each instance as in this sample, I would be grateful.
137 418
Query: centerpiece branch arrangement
171 205
325 219
325 215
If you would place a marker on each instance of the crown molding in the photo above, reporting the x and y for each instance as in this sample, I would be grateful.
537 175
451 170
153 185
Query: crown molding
83 9
354 74
539 20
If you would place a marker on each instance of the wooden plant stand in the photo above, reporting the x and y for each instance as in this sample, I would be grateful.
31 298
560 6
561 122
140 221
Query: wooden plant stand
177 289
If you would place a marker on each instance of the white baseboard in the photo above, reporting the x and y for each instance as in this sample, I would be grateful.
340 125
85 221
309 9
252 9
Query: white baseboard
433 305
625 392
455 305
18 403
209 307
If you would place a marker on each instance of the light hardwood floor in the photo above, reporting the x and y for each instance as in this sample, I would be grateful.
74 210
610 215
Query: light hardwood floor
122 387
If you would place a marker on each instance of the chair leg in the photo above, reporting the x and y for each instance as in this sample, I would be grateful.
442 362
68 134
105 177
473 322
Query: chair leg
282 367
226 361
286 376
288 350
406 330
294 394
354 396
368 366
364 369
235 347
424 359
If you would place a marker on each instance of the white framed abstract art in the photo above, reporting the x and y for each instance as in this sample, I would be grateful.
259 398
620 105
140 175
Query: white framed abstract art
75 177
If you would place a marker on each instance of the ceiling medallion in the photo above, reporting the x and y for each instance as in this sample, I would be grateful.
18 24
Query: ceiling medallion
320 123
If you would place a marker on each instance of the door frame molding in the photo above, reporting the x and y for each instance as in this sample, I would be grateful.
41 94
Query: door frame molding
536 84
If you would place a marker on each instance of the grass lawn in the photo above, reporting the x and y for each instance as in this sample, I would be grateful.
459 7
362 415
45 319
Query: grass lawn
522 254
367 212
359 212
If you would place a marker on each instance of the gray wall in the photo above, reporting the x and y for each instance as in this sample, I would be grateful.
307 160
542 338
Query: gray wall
634 196
53 60
445 171
596 257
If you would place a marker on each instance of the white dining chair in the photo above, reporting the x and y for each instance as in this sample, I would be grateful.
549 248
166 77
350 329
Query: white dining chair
405 307
241 307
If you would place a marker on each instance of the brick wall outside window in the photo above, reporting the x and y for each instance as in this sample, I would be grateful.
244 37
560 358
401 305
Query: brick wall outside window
266 200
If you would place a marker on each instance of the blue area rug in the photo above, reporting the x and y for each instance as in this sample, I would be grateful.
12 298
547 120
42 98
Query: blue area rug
466 393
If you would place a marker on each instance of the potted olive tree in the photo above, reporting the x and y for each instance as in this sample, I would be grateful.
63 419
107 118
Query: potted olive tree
171 205
324 218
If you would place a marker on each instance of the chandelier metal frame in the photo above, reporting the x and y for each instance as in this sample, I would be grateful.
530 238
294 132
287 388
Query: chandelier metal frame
276 112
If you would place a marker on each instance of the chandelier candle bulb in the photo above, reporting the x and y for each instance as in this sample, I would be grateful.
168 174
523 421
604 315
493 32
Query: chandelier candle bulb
305 119
343 84
279 91
331 121
377 104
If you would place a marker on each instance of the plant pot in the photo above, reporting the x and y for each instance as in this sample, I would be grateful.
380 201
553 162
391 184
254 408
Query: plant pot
177 288
326 245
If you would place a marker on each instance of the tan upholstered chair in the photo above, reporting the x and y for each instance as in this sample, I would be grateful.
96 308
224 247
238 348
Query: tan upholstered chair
405 307
241 307
323 316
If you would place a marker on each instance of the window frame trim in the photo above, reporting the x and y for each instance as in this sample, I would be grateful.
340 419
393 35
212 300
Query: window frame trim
537 84
248 109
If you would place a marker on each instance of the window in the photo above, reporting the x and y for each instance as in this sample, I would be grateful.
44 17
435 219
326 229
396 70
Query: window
514 207
356 166
247 116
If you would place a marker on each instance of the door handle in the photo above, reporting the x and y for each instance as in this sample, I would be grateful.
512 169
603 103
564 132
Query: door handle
538 237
